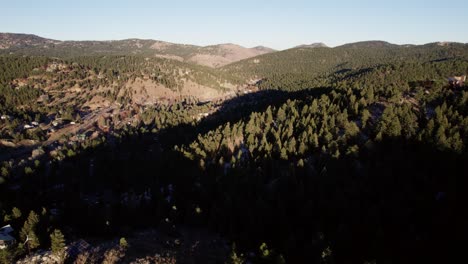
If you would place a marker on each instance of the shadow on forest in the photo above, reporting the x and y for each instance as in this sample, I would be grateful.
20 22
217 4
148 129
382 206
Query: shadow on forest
233 110
349 73
399 201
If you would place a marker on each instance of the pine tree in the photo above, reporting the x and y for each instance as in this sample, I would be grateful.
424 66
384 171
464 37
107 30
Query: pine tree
292 145
57 241
314 106
365 117
29 230
123 243
389 123
4 172
284 154
302 148
16 213
6 257
234 258
264 251
33 240
281 115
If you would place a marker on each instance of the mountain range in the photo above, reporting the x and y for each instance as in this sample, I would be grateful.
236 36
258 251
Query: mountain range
212 71
212 56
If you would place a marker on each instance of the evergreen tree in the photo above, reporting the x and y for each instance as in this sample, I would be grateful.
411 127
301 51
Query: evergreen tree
16 213
235 258
6 256
28 232
57 242
123 243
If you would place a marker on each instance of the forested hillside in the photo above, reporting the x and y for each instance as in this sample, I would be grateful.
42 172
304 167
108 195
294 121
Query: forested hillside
353 154
302 68
43 89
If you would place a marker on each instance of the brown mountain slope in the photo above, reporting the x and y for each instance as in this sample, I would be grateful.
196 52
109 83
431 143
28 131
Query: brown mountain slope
223 54
12 40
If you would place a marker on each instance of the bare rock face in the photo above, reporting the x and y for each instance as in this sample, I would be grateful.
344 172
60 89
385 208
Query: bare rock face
155 259
7 144
41 257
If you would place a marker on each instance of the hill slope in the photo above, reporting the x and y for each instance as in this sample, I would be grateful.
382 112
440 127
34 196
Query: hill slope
300 68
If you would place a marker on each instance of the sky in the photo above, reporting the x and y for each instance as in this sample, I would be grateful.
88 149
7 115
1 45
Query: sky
273 23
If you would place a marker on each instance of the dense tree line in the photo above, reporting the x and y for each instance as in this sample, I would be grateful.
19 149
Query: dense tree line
12 67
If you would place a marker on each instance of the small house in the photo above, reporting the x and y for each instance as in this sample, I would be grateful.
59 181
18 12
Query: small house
457 81
6 239
77 248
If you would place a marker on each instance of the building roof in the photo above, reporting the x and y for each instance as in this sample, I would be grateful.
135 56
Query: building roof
6 230
6 237
457 78
77 248
5 233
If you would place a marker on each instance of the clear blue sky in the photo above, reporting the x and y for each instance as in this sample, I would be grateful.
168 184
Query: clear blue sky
273 23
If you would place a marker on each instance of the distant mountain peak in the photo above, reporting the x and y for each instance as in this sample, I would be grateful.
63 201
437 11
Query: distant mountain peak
369 44
313 45
263 48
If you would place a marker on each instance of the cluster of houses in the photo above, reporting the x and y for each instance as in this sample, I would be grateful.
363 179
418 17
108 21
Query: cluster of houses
32 125
54 125
248 89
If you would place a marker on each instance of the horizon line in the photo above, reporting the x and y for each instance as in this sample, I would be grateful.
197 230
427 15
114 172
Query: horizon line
231 43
